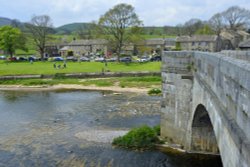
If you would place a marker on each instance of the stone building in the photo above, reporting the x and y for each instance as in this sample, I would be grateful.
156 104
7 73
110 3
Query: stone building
207 43
52 48
233 38
85 47
245 45
158 44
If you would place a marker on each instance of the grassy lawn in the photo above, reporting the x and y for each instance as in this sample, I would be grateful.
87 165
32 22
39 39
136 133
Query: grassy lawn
139 82
21 68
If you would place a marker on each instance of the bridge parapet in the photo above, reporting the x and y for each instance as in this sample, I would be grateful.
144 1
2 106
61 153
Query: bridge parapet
222 85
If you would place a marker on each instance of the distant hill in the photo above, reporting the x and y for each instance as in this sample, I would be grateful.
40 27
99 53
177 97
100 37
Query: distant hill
73 27
5 21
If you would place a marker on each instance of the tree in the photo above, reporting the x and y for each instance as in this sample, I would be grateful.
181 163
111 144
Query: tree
216 23
236 17
11 39
192 26
118 25
205 30
39 27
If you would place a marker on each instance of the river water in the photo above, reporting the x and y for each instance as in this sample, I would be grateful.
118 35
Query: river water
75 128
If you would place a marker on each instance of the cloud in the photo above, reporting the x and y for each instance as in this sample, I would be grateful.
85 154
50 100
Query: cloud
152 13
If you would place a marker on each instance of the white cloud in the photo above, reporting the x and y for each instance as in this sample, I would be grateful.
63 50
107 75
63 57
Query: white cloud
157 12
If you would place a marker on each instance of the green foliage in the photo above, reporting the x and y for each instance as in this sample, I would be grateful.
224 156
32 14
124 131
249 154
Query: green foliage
157 129
11 39
146 81
178 46
143 137
70 53
205 30
154 91
119 25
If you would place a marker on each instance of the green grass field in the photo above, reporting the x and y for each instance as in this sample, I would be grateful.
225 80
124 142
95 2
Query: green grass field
22 68
123 82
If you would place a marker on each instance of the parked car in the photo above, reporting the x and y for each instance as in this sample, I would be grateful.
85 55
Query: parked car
126 59
22 59
144 59
12 59
156 58
58 59
84 59
71 58
2 57
99 59
32 58
113 59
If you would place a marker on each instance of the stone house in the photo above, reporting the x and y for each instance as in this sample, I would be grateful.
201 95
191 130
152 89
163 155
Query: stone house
233 38
52 48
158 44
245 45
85 47
207 43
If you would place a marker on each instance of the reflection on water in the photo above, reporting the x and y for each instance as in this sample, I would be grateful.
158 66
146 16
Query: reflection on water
60 128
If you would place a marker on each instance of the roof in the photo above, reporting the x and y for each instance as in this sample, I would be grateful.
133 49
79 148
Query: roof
155 41
197 38
65 48
88 42
245 44
57 43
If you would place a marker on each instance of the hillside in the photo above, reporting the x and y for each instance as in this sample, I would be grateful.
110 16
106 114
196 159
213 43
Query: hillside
71 28
5 21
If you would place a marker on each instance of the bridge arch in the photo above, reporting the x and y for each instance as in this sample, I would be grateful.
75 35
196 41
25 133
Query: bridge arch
203 137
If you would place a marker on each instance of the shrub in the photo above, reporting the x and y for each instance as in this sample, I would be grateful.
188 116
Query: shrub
154 91
143 137
157 129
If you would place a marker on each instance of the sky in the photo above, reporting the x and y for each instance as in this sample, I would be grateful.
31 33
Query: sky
151 12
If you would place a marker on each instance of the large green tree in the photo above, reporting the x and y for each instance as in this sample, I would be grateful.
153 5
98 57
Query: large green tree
40 27
11 39
119 26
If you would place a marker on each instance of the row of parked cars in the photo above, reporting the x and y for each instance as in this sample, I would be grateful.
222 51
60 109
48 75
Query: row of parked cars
20 58
85 59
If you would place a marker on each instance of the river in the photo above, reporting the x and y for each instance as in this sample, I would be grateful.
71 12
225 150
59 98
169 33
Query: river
75 128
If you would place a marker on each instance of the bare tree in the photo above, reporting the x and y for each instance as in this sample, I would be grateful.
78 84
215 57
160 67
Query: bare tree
39 27
236 17
118 24
216 23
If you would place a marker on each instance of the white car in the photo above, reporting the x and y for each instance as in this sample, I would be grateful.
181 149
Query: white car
144 59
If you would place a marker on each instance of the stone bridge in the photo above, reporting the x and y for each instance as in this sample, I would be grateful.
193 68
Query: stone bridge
206 104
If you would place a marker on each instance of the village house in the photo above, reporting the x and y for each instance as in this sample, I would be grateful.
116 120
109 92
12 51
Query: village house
245 45
233 38
53 48
157 45
85 47
207 43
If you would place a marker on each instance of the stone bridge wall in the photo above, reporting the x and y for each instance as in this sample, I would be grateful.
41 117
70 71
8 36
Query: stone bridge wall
222 85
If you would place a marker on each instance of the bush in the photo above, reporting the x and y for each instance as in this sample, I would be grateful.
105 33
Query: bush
157 129
154 91
143 137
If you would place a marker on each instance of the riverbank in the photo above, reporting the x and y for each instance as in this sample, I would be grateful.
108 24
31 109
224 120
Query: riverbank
72 87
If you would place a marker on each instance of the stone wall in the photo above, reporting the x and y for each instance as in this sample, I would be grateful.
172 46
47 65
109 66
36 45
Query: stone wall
222 85
244 55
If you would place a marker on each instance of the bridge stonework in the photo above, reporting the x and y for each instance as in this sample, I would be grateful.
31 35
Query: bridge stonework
206 104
